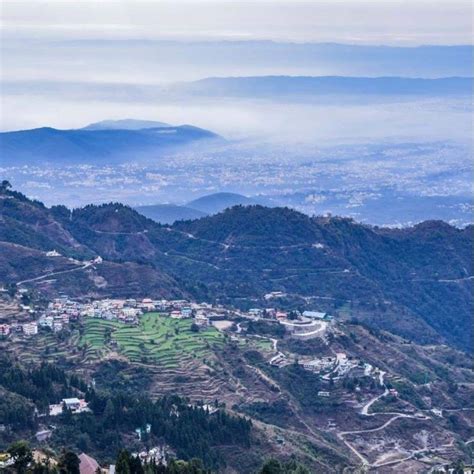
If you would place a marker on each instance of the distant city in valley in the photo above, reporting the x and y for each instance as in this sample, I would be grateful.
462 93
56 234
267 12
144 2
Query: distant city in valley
391 184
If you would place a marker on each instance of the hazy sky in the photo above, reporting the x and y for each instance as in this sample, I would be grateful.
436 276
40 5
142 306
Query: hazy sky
407 22
56 51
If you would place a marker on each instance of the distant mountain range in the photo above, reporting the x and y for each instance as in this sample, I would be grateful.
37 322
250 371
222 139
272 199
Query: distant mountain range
276 86
416 282
203 206
97 143
264 86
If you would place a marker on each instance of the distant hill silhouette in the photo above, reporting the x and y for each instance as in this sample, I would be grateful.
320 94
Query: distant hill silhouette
125 124
217 202
169 213
274 86
95 146
200 207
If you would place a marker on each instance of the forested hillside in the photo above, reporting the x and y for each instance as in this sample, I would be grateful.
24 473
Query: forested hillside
190 430
415 281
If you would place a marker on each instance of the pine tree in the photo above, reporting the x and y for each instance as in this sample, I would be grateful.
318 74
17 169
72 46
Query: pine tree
122 466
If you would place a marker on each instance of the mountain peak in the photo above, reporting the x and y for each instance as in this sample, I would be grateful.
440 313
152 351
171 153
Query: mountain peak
96 144
125 124
217 202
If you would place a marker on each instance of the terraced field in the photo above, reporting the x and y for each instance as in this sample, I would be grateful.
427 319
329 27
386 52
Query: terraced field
47 347
158 339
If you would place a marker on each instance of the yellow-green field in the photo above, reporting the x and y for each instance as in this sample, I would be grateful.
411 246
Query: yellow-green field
157 339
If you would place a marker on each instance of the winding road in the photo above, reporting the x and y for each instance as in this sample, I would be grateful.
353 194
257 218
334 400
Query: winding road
395 416
365 408
51 274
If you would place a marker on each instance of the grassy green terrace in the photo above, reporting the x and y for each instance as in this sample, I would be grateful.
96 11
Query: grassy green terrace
158 339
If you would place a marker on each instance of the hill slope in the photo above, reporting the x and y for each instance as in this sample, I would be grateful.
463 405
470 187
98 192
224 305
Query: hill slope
415 282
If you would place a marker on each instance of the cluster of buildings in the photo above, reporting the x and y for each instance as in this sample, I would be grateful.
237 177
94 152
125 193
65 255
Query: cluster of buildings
27 329
157 455
300 325
129 310
278 314
57 316
337 366
62 311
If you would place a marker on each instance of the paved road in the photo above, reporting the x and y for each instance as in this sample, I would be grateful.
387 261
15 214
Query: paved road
47 275
365 408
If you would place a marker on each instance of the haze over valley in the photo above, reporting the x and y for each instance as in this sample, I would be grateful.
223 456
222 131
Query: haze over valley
386 143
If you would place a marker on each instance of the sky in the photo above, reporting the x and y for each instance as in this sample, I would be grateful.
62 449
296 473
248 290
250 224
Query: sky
54 54
410 22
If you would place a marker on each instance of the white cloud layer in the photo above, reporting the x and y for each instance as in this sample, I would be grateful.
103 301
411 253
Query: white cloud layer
353 21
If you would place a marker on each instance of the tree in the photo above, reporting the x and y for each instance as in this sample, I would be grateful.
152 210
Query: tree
21 453
109 413
4 185
272 466
135 465
69 463
122 465
292 315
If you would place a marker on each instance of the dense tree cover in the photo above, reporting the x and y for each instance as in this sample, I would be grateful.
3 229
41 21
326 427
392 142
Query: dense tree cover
273 466
21 454
16 411
41 386
69 463
189 429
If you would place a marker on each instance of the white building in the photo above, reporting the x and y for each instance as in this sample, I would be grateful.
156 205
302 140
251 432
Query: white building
57 326
201 319
130 312
53 253
30 329
74 404
314 315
